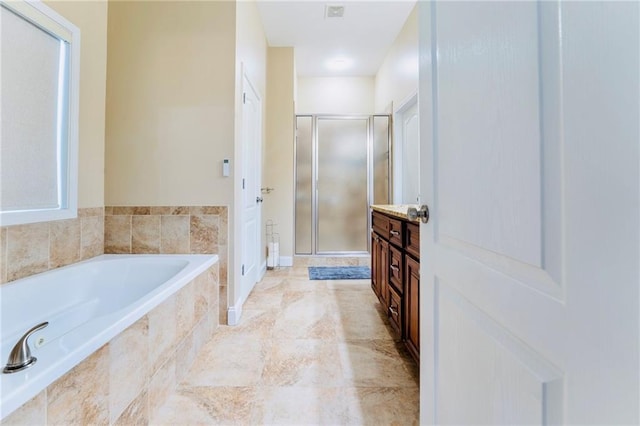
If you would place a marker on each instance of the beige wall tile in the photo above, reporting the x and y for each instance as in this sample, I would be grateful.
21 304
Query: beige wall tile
161 386
201 334
91 211
214 298
185 310
137 413
202 210
174 234
108 210
3 255
131 210
223 228
141 210
224 262
162 333
170 210
204 234
186 354
81 396
222 305
91 236
214 274
201 296
145 234
64 244
128 366
34 412
27 250
117 234
160 210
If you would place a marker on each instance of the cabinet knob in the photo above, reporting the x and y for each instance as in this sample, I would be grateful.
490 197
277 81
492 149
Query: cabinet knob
393 310
396 233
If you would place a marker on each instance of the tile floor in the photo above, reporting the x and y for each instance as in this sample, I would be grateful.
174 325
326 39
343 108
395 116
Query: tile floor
305 352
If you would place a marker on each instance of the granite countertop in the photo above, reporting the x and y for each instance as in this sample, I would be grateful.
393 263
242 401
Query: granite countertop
396 210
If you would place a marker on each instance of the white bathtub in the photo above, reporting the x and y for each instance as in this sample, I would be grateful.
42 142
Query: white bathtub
86 305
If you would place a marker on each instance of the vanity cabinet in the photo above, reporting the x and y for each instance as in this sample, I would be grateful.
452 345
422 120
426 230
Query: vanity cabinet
395 275
380 268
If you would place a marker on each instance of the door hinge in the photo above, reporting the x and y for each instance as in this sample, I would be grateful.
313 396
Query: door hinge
242 183
242 270
244 97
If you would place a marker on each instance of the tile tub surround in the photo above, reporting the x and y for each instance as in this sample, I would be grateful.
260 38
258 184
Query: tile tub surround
129 379
170 230
29 249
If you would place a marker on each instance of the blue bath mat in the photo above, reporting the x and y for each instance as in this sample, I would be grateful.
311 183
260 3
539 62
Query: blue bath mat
339 272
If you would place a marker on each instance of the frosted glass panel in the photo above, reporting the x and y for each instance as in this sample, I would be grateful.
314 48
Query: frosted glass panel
381 159
343 208
304 199
33 123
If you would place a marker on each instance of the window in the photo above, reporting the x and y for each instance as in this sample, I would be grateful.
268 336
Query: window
38 114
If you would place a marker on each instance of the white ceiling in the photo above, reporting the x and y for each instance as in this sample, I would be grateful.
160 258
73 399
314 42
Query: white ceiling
363 35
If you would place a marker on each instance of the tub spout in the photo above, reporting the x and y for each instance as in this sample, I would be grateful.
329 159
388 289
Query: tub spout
20 356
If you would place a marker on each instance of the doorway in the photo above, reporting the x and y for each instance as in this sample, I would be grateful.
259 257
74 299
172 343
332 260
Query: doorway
407 153
341 166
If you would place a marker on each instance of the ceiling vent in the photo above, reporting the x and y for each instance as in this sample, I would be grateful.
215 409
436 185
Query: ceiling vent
333 11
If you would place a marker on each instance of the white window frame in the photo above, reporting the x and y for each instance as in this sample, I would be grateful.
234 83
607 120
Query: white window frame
43 16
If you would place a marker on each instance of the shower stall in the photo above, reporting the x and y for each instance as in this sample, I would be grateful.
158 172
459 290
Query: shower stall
342 165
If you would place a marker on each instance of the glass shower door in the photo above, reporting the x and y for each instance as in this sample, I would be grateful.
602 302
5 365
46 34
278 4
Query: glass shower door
342 185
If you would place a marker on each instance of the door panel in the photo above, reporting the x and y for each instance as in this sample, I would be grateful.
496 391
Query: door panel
495 204
342 173
505 381
304 185
528 313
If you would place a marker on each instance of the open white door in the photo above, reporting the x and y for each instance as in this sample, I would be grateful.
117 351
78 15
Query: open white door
530 167
251 198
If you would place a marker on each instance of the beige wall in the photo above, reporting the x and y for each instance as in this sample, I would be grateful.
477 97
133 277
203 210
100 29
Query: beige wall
91 18
174 111
397 78
335 95
278 158
170 103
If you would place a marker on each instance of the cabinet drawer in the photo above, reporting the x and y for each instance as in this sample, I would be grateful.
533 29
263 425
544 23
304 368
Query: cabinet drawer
395 232
396 269
394 311
412 239
380 224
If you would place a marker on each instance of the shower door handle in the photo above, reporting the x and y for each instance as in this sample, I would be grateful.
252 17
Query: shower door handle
259 200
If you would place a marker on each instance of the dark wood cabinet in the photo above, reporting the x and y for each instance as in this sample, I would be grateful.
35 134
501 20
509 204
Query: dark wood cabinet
396 270
380 268
412 307
395 275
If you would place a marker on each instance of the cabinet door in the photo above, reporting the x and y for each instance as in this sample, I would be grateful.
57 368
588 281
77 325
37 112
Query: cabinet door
396 269
384 273
395 311
411 307
375 264
412 239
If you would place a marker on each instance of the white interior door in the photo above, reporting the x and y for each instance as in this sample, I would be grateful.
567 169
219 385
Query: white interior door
530 148
251 146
